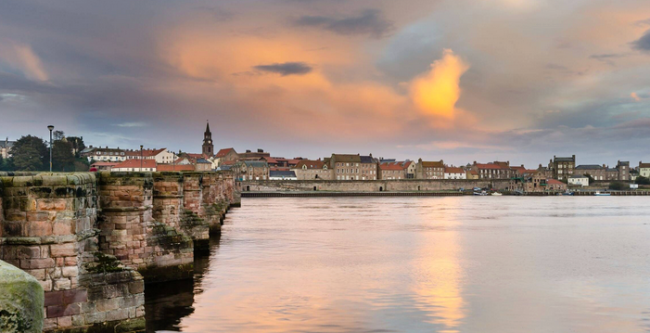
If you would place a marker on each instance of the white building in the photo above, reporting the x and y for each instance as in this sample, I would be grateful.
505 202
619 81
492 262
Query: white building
282 175
644 169
579 180
455 173
145 165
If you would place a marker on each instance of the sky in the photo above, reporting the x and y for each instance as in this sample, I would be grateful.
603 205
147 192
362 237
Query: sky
458 80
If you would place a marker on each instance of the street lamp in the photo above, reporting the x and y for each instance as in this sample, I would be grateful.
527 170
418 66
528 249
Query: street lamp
51 127
141 146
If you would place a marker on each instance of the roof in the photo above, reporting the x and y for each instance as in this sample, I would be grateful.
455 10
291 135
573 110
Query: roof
104 163
6 143
489 166
282 174
433 164
454 170
346 158
564 159
196 156
391 166
270 160
310 164
135 164
294 161
224 152
554 182
203 161
644 165
228 163
578 176
172 167
145 152
256 164
367 159
589 167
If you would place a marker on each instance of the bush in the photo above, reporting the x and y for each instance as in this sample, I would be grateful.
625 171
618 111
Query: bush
642 180
618 186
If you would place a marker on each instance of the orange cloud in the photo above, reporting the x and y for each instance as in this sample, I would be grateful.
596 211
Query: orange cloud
635 97
23 58
436 92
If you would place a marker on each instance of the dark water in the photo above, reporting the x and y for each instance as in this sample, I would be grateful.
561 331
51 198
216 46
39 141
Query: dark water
415 264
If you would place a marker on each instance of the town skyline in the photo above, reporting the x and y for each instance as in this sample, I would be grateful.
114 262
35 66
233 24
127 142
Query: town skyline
308 78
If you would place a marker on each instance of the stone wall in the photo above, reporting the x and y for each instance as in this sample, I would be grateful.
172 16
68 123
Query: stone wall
371 185
93 240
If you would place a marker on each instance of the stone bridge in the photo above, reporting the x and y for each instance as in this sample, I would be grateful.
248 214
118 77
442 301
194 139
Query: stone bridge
373 185
92 240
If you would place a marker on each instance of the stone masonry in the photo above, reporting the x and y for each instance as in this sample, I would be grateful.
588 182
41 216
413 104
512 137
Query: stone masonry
93 240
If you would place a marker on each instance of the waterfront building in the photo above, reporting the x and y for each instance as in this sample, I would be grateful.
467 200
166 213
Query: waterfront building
623 168
105 154
147 165
597 172
394 170
259 155
159 155
555 185
430 169
562 167
644 169
250 170
312 169
282 175
579 180
354 167
455 173
5 148
202 165
225 154
495 170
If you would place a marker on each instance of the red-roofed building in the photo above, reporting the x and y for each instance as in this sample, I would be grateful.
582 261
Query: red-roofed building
555 185
455 173
103 166
394 170
135 166
174 167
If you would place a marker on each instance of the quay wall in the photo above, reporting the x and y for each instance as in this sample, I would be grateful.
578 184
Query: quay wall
92 240
371 185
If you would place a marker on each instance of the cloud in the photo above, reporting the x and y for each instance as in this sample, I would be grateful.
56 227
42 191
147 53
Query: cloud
132 124
370 22
21 57
287 68
635 97
643 44
436 92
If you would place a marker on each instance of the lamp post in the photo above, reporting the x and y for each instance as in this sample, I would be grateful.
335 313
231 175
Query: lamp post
141 155
51 127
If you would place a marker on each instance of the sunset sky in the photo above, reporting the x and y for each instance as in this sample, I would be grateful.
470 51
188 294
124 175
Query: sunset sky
459 80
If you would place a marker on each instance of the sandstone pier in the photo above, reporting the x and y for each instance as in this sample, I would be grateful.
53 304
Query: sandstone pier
94 240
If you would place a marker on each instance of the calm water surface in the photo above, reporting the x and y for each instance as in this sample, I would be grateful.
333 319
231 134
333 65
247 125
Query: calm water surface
415 264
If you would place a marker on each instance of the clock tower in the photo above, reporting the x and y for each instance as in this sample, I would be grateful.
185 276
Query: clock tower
208 147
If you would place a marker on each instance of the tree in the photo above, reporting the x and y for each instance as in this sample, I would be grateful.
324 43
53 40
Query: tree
30 154
58 135
618 186
642 180
77 144
62 157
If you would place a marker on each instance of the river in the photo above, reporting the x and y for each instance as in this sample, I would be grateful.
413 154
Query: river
419 264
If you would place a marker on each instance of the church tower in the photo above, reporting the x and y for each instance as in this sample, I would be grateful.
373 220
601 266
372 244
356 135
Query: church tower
208 147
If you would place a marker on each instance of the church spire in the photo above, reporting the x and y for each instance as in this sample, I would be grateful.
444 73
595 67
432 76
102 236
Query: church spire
208 146
207 128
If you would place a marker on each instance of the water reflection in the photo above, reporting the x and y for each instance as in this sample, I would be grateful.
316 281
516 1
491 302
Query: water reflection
438 287
510 264
166 303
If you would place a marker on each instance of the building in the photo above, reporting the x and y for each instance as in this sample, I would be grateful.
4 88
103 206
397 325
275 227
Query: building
254 156
644 169
282 175
161 155
555 185
623 168
312 169
394 170
174 167
634 175
430 170
455 173
208 146
562 167
579 180
537 183
354 167
105 154
250 170
5 148
103 166
202 164
597 172
135 166
495 170
226 154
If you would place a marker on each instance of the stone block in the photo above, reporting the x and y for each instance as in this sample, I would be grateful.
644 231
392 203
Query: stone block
136 287
70 261
72 309
39 228
70 271
62 284
36 263
62 250
75 296
55 311
28 252
53 298
64 321
38 274
65 227
46 285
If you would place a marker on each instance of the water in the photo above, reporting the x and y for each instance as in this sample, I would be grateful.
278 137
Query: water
418 264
